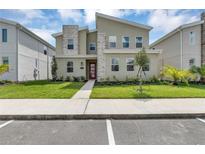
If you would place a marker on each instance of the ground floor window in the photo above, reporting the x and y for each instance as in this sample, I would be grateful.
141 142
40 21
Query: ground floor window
146 68
5 60
70 66
191 62
130 64
115 64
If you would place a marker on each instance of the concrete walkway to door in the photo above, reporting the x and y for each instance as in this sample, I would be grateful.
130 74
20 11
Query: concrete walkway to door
85 91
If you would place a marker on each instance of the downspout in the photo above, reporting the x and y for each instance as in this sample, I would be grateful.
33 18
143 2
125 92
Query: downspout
17 42
181 49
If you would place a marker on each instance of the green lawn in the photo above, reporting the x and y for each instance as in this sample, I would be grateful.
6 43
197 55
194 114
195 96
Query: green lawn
150 91
40 89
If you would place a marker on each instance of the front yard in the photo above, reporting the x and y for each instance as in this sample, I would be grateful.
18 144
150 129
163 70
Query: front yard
150 91
40 89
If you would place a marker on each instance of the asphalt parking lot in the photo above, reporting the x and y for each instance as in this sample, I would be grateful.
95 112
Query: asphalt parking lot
103 132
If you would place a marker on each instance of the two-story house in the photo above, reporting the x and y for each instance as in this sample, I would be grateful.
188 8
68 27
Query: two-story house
184 46
106 53
28 56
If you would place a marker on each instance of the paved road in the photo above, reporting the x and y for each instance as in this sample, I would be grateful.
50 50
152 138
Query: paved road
152 131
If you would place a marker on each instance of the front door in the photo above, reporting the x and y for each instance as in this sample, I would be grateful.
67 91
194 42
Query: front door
92 70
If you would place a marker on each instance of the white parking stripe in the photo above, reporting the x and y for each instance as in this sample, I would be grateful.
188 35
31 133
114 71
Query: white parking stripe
202 120
6 123
110 135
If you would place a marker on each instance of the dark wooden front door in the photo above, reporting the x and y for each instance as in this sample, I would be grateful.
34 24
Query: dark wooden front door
92 70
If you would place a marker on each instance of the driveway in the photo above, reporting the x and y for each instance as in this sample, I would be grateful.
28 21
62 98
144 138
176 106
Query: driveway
91 132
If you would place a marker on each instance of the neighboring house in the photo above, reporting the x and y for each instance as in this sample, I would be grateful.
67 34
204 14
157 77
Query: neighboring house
184 46
27 55
106 53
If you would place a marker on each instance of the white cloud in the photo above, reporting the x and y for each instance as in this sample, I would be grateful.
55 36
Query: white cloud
75 15
167 20
31 14
89 14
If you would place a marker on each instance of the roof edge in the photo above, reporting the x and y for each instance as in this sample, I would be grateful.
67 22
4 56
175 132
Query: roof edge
175 31
29 32
123 21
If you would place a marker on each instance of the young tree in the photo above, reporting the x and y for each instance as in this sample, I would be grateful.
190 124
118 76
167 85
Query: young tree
4 68
141 60
54 68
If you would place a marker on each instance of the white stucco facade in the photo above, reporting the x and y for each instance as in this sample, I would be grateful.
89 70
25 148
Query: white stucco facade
26 52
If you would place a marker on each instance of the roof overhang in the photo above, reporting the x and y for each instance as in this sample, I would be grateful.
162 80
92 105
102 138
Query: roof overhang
131 51
176 30
21 27
123 21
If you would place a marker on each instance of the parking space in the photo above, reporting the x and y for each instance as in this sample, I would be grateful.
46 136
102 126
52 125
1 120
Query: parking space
54 132
91 132
169 131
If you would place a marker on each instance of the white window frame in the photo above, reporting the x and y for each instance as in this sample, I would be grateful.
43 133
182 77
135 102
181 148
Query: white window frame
192 38
115 64
138 42
125 42
70 43
110 40
94 43
127 64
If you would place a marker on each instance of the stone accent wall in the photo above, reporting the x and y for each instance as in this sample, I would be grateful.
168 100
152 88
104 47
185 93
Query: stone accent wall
203 39
70 32
101 58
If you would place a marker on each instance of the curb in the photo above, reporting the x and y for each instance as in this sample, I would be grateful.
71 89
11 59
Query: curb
101 116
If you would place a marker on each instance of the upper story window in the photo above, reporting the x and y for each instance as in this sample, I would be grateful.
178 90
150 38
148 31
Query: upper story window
115 64
70 66
192 38
4 35
125 42
92 46
130 64
5 60
112 41
139 42
70 44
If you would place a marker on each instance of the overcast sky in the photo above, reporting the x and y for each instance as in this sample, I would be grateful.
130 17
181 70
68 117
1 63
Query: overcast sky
46 22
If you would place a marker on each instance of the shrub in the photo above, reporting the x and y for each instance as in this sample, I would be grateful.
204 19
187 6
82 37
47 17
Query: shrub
61 78
76 79
177 75
69 78
82 78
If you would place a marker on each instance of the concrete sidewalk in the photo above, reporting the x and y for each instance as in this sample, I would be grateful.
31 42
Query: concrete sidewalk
100 108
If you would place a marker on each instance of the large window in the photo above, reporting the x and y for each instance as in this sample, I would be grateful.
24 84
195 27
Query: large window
5 60
112 41
125 42
115 64
92 46
4 35
70 66
70 44
192 38
130 64
139 42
